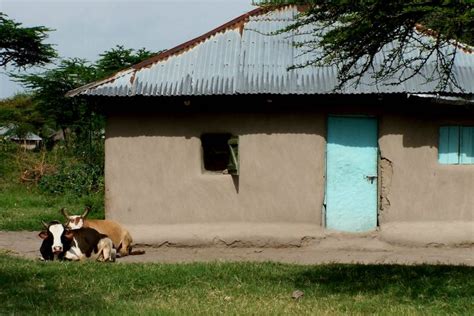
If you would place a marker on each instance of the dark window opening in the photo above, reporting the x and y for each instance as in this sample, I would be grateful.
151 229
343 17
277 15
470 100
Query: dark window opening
220 153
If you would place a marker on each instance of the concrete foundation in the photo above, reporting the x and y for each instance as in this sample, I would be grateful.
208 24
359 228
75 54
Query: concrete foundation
281 235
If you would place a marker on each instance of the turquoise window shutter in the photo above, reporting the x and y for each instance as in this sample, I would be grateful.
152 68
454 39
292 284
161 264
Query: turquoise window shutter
448 150
467 145
233 166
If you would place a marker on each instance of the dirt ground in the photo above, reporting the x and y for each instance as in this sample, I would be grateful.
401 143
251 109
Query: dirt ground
365 250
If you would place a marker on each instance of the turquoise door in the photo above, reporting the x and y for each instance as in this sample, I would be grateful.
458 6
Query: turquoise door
351 183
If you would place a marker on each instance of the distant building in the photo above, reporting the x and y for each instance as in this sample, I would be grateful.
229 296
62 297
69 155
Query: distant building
29 141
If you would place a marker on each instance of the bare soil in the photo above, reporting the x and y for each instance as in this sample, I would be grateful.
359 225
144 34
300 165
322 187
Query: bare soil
335 249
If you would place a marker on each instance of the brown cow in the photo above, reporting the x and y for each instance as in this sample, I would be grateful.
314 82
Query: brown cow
120 237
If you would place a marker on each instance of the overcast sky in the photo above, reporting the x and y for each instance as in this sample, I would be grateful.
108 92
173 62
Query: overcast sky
86 28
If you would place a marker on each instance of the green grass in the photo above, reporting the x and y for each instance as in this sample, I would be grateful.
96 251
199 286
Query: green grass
31 287
23 208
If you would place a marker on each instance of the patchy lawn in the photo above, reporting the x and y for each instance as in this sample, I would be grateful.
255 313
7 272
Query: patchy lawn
33 287
23 208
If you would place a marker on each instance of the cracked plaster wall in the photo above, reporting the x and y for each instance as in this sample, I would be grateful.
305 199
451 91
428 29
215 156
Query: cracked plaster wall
414 186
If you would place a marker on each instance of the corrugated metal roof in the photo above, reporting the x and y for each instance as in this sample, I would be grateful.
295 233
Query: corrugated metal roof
6 130
28 136
241 58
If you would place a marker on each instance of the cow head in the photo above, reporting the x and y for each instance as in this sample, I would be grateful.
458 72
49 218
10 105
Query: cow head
56 235
75 221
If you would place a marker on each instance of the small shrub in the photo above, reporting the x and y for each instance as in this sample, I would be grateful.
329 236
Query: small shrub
76 178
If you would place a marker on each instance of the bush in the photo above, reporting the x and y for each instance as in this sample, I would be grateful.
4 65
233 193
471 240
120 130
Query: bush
75 178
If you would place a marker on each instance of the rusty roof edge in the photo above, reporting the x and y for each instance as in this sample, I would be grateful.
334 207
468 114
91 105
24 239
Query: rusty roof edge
186 45
115 76
430 32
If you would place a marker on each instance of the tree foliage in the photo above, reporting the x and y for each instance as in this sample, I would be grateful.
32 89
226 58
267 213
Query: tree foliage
46 110
120 57
23 46
50 87
80 120
350 33
19 114
49 90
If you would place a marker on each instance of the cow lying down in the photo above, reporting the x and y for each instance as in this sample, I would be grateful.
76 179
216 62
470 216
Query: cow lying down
120 237
62 243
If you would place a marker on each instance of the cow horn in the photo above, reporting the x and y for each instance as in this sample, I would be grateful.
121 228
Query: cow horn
86 211
64 212
44 224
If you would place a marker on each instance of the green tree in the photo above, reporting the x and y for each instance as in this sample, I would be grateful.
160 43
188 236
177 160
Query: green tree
49 89
119 58
19 113
80 119
23 46
350 33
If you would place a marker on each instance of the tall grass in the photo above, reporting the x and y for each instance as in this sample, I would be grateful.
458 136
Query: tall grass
29 287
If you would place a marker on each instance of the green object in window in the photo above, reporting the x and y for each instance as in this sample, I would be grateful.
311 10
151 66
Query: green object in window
233 166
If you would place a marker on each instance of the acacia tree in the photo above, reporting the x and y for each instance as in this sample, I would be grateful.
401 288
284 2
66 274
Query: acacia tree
23 46
77 117
120 57
350 33
48 89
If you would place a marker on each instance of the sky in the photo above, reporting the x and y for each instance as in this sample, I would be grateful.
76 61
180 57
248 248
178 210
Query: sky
86 28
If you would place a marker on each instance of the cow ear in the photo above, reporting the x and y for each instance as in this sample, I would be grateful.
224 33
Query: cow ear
68 234
43 235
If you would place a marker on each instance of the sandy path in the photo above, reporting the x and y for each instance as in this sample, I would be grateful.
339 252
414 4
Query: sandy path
365 250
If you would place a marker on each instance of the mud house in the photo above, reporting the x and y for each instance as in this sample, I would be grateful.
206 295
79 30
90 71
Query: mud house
216 141
28 141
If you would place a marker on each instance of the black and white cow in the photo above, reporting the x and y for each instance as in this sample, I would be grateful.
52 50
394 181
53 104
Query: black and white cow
61 243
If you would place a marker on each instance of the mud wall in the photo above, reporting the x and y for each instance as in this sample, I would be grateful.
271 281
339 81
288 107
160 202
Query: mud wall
154 171
414 185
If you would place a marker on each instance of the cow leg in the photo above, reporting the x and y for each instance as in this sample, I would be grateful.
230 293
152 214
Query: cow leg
100 251
71 256
74 254
105 250
113 255
126 245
